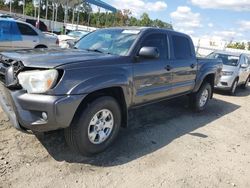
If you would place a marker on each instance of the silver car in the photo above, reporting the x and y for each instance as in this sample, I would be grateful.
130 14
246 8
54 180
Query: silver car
235 72
15 34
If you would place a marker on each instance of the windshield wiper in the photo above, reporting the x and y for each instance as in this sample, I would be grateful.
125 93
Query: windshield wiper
94 50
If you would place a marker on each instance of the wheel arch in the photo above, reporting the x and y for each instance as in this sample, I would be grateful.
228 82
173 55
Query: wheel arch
115 92
41 46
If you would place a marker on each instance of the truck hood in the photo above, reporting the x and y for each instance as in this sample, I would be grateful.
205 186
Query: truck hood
51 58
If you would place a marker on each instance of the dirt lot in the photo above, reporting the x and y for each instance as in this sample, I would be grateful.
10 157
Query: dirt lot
166 145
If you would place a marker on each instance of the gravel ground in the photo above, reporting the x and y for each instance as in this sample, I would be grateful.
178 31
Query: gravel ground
167 145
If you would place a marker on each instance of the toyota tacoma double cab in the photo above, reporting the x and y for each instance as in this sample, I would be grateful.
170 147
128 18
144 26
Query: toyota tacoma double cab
88 90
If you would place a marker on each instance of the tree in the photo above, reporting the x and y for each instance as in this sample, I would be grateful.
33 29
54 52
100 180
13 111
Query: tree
145 20
237 45
99 19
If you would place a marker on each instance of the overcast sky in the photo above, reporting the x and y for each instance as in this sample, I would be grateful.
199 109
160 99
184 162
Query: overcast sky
224 19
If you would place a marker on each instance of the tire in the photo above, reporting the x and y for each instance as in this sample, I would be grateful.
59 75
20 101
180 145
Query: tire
233 88
196 98
245 85
79 135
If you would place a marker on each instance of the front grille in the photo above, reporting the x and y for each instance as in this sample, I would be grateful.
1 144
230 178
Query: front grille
224 83
9 69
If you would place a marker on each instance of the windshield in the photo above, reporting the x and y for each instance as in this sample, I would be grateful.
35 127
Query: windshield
78 34
230 60
110 41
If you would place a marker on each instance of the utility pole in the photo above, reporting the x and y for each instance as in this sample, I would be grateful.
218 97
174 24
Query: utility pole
39 10
23 8
10 6
46 11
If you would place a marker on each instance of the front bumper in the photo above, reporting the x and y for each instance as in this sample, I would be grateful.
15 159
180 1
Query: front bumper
25 110
225 82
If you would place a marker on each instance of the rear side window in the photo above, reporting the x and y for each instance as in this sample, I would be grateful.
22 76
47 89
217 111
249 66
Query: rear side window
26 30
181 47
5 30
159 41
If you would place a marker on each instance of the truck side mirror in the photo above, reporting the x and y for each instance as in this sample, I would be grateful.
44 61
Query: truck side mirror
244 65
149 52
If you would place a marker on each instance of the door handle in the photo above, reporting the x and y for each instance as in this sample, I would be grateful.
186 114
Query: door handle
192 66
168 68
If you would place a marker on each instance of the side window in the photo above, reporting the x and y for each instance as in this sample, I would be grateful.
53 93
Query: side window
181 47
26 30
159 41
5 28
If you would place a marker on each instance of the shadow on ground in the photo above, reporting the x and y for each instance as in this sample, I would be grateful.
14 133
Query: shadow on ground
151 128
240 92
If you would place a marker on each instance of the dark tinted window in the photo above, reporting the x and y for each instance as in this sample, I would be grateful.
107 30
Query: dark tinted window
42 25
5 28
26 30
159 41
182 48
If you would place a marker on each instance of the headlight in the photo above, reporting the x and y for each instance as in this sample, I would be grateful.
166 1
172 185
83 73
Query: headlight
227 73
38 81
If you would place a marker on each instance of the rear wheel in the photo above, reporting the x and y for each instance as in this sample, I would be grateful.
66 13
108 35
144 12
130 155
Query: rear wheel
200 99
96 128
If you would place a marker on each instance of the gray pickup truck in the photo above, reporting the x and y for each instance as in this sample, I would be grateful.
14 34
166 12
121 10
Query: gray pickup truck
88 90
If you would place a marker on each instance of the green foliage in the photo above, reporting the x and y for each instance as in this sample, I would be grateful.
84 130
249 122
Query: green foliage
248 45
237 45
29 9
145 20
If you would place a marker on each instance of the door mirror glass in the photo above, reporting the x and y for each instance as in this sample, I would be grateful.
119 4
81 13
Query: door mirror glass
149 52
244 65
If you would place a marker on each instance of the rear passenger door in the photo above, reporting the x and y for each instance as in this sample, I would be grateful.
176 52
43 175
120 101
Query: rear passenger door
5 35
29 36
151 80
183 64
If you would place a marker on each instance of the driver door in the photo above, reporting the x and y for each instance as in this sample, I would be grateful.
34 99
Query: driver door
151 79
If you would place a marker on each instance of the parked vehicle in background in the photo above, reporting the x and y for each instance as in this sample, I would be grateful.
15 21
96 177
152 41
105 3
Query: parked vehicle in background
88 90
41 25
235 72
66 41
5 16
15 34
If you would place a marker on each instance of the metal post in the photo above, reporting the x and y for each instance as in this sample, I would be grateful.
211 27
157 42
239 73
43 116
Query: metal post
89 19
38 17
53 16
78 17
23 8
46 14
106 19
56 14
73 16
35 12
10 6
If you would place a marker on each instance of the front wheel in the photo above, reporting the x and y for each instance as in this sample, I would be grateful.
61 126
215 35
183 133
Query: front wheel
96 128
200 99
234 87
244 86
